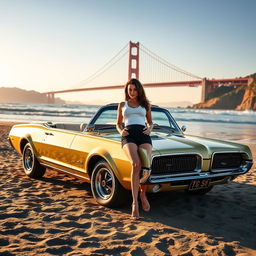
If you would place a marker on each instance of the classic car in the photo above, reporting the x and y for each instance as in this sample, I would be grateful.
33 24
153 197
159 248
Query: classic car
93 153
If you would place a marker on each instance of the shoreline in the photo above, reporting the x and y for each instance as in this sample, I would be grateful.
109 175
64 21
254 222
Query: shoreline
57 215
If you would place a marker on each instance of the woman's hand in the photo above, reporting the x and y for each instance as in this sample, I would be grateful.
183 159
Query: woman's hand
147 130
124 132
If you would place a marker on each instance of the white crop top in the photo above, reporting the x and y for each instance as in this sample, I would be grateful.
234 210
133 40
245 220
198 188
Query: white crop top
133 115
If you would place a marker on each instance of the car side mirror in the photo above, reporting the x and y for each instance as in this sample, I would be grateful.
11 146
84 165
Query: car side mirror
183 128
90 127
82 127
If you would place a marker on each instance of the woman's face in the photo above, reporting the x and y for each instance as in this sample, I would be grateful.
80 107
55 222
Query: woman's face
132 91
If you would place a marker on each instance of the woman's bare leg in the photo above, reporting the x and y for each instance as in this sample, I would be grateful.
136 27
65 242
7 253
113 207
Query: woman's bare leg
131 151
143 188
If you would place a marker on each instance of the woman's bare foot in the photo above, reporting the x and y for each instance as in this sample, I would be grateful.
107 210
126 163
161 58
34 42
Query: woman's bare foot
144 202
135 211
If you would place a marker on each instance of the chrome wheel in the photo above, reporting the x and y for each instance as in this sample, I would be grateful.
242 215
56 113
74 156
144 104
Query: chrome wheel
28 159
106 188
30 163
104 183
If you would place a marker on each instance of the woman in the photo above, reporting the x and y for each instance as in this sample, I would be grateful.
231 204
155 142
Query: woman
134 112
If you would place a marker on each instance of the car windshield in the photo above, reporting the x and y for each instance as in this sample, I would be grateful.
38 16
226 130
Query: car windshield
162 119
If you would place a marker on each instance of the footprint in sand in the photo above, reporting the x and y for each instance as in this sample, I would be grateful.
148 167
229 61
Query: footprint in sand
90 242
7 253
113 251
78 232
32 238
147 237
57 231
72 217
61 241
51 218
59 250
102 231
89 245
73 224
138 251
121 236
4 241
164 245
200 249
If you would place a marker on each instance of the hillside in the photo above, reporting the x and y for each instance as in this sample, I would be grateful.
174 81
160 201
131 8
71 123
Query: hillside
17 95
241 98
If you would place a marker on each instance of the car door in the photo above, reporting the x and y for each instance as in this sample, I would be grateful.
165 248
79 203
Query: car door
55 148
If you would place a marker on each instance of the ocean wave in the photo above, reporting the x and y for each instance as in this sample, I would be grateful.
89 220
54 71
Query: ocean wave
46 112
37 111
199 120
213 112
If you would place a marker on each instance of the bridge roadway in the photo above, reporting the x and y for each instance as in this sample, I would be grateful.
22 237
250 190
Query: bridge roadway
112 87
208 86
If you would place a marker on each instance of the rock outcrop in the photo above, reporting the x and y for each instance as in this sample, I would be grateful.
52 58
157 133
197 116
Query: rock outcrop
241 98
249 99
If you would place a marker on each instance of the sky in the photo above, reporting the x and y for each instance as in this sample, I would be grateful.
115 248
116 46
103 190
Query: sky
54 45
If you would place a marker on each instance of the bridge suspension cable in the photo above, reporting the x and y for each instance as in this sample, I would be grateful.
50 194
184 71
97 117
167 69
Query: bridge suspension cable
115 59
156 69
153 69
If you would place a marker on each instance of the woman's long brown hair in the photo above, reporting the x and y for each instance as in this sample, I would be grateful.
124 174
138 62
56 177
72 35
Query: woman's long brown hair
143 101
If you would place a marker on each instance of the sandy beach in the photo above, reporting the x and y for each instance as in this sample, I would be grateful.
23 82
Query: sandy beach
57 215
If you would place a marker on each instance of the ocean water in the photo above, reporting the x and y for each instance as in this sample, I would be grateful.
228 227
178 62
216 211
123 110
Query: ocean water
231 125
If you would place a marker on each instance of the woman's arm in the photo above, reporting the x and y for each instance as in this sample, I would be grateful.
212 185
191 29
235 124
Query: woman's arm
149 121
119 122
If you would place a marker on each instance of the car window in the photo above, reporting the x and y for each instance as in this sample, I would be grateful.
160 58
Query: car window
108 116
160 118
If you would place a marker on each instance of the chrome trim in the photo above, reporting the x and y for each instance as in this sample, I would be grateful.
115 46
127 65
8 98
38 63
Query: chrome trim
104 183
228 152
61 170
175 175
28 159
195 171
203 175
223 170
183 128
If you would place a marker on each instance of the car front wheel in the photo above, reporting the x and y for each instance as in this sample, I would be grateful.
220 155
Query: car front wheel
30 163
106 188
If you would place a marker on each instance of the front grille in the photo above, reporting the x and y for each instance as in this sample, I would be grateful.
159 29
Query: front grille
174 164
226 160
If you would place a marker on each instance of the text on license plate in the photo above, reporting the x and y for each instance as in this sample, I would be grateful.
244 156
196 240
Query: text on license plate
199 184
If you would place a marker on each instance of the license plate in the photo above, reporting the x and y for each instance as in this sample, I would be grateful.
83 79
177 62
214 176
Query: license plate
199 184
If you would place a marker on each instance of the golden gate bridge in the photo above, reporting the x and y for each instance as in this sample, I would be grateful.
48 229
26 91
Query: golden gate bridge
150 68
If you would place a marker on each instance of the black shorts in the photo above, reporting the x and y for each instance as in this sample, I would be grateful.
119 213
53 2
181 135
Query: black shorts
135 135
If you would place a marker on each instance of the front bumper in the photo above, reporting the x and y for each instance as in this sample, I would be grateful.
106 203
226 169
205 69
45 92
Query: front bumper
156 179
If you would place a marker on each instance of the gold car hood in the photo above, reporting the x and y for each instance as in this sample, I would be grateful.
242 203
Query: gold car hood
178 143
172 143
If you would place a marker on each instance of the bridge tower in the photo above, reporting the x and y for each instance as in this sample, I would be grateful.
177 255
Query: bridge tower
205 90
50 98
134 53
